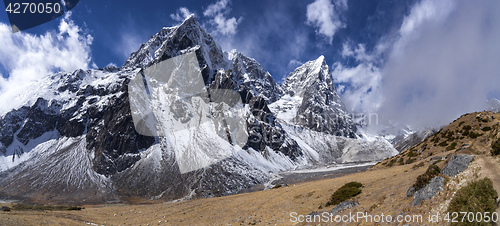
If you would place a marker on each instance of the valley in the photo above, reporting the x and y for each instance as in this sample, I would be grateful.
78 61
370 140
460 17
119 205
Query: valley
384 191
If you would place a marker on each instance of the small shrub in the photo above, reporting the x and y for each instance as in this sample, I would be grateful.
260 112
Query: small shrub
344 193
409 161
443 144
412 153
467 127
424 179
452 146
353 184
391 163
401 161
486 128
474 135
495 147
477 197
462 122
418 165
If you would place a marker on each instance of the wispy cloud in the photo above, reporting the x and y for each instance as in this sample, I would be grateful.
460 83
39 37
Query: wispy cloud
181 14
325 16
129 42
217 14
27 57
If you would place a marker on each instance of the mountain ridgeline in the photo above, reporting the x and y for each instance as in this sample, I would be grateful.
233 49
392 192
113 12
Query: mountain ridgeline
70 137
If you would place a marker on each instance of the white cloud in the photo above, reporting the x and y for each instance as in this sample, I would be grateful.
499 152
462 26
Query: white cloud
294 63
424 14
216 8
363 92
445 62
27 57
217 13
325 16
181 14
359 53
442 63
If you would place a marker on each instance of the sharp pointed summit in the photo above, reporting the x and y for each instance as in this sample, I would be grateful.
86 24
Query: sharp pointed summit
316 102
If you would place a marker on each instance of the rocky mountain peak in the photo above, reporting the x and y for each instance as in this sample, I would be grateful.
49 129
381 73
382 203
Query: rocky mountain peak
312 72
311 96
248 72
174 41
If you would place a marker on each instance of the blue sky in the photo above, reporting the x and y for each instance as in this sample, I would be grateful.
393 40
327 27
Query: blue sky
273 32
403 59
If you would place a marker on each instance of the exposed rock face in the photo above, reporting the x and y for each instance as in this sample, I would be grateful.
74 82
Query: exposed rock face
319 107
248 73
456 165
429 191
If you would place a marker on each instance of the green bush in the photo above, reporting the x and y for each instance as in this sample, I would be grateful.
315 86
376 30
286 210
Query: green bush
443 144
412 153
345 192
391 163
474 135
486 128
424 179
477 197
452 146
495 147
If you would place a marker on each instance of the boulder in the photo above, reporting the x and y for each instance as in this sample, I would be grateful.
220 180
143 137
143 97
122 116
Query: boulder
343 206
429 191
456 165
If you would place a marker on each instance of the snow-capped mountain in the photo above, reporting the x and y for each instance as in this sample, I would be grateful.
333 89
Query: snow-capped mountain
71 137
311 101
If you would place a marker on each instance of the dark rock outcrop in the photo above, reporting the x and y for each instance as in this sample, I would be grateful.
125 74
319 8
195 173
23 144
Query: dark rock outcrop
343 206
429 191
